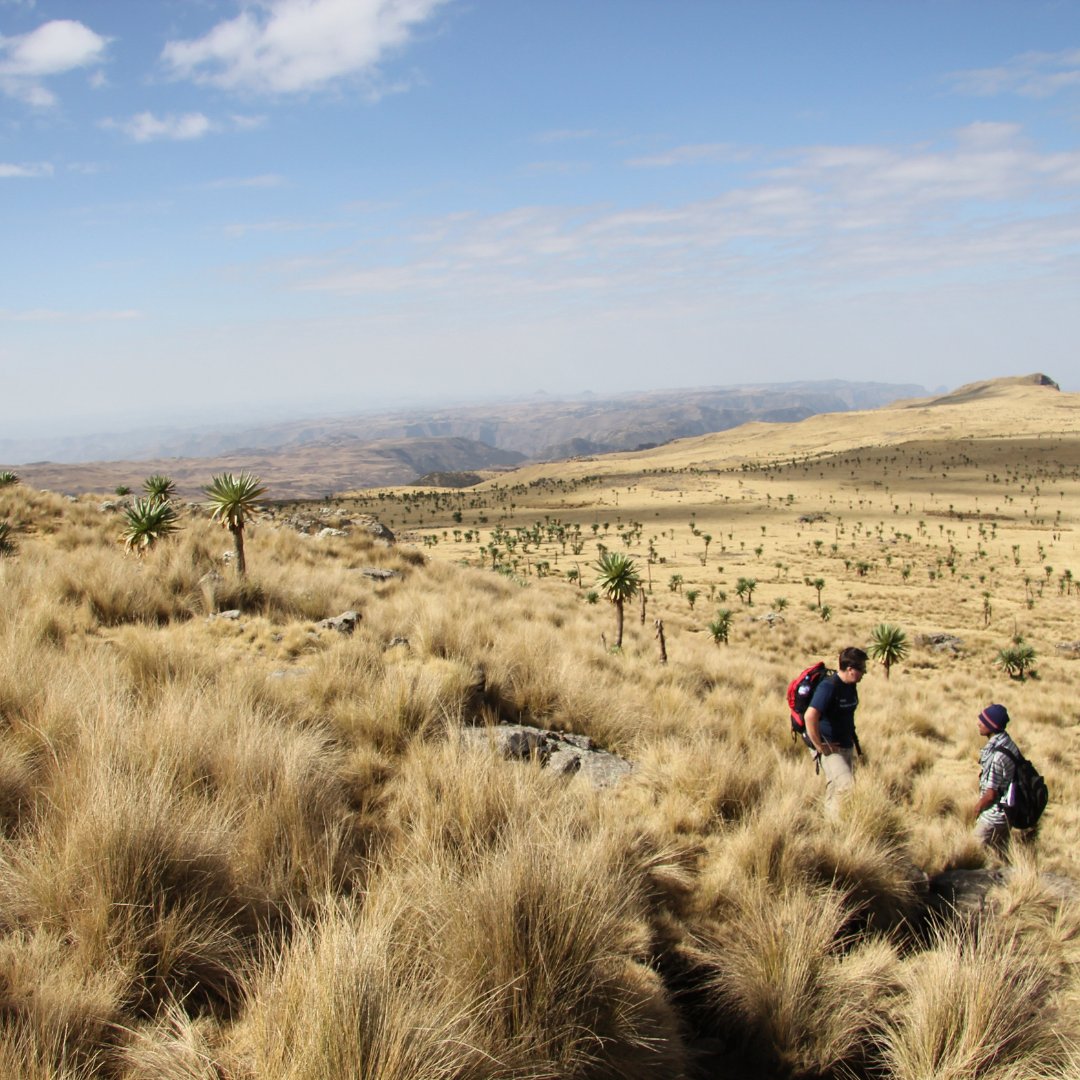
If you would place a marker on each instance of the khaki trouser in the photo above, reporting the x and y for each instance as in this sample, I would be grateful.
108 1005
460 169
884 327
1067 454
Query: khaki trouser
839 777
993 835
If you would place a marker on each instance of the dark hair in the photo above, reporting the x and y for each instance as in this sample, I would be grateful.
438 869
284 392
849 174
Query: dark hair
852 657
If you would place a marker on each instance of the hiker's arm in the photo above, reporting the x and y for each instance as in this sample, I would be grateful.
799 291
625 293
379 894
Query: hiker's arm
812 717
986 799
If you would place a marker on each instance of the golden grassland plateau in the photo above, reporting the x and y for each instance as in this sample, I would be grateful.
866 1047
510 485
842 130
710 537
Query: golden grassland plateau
248 845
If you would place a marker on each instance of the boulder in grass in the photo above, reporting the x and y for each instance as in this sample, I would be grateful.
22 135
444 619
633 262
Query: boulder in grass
345 623
377 573
940 642
556 752
379 531
967 891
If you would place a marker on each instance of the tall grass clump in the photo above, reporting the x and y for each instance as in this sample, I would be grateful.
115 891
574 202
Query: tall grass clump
345 998
978 1003
142 888
793 992
513 947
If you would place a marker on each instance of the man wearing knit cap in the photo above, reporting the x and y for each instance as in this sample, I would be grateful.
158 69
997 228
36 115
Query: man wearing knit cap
996 772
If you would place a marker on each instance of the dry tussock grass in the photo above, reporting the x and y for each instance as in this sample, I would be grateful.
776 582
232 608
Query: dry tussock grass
979 1003
250 847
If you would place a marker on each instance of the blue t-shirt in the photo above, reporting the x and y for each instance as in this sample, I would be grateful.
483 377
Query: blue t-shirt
836 700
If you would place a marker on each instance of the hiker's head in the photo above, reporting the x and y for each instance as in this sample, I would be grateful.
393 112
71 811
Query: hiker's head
852 661
993 718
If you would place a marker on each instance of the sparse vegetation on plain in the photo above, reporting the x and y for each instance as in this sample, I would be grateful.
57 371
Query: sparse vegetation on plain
236 842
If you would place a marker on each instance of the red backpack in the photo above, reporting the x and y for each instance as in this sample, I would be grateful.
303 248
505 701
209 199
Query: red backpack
799 692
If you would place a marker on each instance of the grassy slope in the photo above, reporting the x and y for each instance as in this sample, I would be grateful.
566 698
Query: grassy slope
252 848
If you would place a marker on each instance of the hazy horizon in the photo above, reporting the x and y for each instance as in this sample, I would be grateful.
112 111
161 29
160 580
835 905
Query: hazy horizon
132 428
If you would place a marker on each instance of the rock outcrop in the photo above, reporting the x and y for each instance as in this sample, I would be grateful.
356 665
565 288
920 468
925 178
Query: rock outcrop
559 753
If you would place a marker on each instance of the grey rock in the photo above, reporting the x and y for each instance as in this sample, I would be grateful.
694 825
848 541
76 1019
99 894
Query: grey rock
562 755
966 892
345 623
940 642
327 531
526 743
578 742
603 769
564 762
379 531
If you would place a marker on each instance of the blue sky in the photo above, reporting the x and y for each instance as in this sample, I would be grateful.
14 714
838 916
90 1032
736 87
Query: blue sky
240 209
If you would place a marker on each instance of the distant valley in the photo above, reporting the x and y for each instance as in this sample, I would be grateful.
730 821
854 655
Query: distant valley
313 458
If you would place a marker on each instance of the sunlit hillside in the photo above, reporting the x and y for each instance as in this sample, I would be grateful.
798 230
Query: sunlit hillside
244 838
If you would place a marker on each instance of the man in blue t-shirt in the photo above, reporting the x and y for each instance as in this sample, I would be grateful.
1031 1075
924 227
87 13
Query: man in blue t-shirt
830 725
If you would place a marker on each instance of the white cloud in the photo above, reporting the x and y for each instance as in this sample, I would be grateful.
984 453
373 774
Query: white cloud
988 164
852 219
689 155
247 123
565 135
185 127
54 48
251 228
41 168
146 127
1031 74
290 46
557 168
268 180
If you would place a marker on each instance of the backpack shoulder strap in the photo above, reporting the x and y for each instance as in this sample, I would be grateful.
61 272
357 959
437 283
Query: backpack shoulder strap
1015 758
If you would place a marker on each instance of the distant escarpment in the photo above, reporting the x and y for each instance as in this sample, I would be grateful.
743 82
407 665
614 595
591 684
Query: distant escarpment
554 429
546 428
315 458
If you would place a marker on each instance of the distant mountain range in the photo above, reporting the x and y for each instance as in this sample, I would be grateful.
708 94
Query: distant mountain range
310 458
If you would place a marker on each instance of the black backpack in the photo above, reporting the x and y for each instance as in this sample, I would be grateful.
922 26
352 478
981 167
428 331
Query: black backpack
1028 794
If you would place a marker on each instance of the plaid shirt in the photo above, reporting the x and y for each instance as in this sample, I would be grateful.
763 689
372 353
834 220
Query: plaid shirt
996 770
